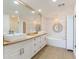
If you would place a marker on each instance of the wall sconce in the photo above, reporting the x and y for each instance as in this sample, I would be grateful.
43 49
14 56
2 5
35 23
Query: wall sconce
37 26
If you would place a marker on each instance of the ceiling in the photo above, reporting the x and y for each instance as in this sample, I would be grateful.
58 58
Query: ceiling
50 8
10 8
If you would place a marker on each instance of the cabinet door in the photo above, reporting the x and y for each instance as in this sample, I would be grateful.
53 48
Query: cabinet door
12 56
37 44
12 52
43 39
23 50
28 49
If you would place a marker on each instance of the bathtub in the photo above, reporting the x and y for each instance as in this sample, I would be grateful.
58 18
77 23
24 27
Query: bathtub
56 41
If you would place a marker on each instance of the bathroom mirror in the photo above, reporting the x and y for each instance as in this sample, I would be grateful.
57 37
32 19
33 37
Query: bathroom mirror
57 27
17 12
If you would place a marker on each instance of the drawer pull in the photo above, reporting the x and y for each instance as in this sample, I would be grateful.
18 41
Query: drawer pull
21 51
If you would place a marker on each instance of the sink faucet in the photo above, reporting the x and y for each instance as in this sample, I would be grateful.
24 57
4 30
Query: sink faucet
11 31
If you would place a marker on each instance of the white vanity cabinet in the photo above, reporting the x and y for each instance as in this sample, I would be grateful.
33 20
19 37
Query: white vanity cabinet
12 54
39 43
12 51
25 49
43 40
28 49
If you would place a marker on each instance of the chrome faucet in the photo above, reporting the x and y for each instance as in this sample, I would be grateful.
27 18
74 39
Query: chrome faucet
11 31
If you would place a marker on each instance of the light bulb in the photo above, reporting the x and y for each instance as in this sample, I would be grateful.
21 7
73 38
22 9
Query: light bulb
54 0
33 12
40 10
16 12
15 2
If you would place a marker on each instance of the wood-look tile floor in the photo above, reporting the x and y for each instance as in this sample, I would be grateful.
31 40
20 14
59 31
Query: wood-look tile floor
50 52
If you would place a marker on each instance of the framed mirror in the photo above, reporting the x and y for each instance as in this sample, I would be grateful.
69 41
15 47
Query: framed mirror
57 27
18 16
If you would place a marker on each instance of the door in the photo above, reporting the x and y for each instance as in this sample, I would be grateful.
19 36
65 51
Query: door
70 36
24 27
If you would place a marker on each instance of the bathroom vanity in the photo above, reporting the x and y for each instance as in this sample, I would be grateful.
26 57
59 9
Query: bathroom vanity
19 19
26 48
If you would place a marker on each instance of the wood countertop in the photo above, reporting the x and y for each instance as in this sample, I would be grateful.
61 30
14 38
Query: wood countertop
6 42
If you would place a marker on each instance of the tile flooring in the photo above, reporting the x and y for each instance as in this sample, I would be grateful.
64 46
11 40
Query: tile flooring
50 52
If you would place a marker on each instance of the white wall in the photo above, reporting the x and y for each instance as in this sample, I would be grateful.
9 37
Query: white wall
57 39
61 37
57 42
6 25
47 24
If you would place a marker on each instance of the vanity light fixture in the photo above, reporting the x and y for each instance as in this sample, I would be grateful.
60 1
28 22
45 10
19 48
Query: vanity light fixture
54 0
40 10
16 2
16 12
33 12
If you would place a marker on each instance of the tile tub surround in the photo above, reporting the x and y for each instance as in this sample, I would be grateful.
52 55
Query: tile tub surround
50 52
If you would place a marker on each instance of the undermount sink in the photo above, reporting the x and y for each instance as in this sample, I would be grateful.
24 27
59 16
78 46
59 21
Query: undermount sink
32 34
14 37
